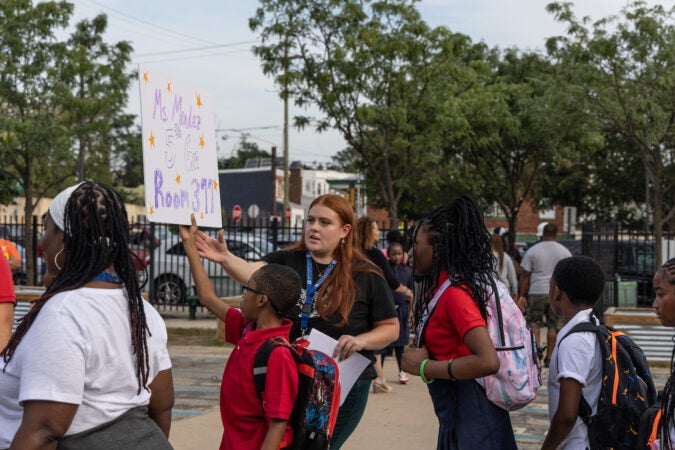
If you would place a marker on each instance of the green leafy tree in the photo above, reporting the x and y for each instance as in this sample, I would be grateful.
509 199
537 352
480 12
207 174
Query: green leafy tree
95 94
374 70
35 142
127 152
246 150
623 67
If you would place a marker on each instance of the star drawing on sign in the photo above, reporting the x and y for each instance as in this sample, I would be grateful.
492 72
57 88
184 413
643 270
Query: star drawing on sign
199 101
178 178
152 210
201 215
146 79
215 184
168 87
151 139
201 141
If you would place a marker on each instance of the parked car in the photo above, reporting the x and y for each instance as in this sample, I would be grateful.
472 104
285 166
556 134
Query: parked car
142 241
21 278
170 270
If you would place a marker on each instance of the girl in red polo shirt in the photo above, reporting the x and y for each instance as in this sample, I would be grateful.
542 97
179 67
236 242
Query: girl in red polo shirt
453 347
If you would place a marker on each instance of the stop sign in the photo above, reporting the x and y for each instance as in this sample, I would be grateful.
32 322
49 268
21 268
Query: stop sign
236 213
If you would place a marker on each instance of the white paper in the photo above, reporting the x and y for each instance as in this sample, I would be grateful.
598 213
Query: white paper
350 368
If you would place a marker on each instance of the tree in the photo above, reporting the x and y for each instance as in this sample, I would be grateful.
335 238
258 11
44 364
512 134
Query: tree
623 67
127 153
95 94
374 69
508 130
245 151
35 144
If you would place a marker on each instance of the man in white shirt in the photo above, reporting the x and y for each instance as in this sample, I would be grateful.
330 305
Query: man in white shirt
538 265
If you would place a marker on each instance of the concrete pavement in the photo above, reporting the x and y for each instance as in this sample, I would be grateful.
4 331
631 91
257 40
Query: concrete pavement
402 419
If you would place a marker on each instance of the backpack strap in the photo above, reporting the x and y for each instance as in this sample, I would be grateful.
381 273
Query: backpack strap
500 319
261 359
585 410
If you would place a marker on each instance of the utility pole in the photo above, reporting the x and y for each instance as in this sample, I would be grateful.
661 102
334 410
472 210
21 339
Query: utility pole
285 94
273 206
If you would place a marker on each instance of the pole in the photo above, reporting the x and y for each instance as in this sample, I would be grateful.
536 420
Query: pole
286 190
273 206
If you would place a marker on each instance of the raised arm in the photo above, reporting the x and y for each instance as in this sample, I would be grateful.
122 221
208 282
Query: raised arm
205 292
215 249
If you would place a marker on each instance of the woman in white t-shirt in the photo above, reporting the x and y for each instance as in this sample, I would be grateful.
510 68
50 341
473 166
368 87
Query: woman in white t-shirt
90 358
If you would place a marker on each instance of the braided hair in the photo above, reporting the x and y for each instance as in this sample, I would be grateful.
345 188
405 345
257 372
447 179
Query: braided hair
96 235
461 245
668 402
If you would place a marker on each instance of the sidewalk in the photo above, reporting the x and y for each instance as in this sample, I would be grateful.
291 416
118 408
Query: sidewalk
402 419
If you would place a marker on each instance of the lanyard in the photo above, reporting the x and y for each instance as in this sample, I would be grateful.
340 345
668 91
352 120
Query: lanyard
311 290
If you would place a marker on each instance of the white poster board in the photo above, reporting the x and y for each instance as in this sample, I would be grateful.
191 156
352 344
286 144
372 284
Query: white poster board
180 162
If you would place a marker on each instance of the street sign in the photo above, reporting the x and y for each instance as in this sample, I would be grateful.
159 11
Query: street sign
253 211
288 214
236 213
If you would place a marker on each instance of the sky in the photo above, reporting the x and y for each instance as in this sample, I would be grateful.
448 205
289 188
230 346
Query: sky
206 44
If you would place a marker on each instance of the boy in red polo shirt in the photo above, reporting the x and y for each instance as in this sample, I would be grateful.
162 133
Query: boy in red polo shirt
269 294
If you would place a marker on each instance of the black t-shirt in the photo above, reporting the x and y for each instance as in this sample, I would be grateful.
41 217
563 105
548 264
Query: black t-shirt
373 303
377 257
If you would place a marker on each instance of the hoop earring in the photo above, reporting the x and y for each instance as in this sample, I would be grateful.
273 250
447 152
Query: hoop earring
56 263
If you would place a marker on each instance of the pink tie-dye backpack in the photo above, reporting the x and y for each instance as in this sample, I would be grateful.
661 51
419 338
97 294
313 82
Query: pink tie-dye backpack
515 384
519 376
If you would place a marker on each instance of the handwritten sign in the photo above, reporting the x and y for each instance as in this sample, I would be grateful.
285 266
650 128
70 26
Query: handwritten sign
180 162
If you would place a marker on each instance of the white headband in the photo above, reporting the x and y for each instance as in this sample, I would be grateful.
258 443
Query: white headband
57 208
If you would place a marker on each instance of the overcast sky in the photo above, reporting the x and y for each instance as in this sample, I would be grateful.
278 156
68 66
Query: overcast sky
165 35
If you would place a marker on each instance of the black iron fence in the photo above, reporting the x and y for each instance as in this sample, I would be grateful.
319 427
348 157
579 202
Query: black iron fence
628 258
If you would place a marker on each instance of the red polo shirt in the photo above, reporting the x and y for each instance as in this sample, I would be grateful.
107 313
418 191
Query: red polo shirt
245 418
456 313
6 283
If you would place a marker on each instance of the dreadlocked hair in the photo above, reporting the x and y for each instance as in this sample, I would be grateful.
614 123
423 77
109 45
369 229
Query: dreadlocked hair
462 246
668 402
96 235
337 294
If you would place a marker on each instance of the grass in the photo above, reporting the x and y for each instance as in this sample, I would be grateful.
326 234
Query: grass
194 336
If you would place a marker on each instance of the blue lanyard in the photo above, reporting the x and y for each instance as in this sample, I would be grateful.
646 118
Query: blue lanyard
311 290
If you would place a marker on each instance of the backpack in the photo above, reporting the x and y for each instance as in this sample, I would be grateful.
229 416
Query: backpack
515 384
649 426
316 406
627 389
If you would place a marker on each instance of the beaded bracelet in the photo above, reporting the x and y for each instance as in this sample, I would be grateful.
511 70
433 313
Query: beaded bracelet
424 363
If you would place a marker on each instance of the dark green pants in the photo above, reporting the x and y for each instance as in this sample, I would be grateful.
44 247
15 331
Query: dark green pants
350 413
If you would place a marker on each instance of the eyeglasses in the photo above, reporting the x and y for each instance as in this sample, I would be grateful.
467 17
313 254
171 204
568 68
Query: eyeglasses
245 288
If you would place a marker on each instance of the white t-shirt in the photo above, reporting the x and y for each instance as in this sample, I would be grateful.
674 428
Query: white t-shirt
540 260
579 357
79 351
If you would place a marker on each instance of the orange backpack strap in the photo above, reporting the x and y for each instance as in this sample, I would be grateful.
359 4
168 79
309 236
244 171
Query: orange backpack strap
655 428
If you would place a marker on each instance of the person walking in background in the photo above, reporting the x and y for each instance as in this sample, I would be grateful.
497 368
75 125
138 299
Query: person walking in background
664 305
7 302
538 264
88 365
504 269
367 233
453 346
343 293
404 275
576 367
250 422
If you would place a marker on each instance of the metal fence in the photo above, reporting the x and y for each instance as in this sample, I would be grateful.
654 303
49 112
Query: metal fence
628 259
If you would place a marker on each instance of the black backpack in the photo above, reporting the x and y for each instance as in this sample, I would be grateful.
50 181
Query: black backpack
649 427
626 392
316 407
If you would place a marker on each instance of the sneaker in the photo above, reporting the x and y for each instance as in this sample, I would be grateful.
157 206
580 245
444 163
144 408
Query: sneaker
380 385
403 377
